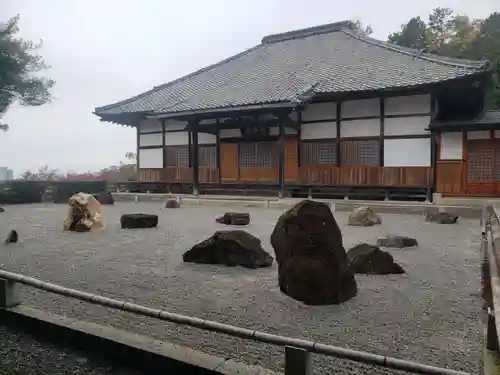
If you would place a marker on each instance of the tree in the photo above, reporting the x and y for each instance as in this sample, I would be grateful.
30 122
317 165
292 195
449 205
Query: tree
456 36
19 67
360 28
412 34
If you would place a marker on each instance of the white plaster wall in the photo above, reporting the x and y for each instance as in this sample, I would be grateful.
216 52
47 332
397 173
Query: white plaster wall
360 128
405 105
320 111
479 134
276 131
414 152
406 125
149 125
230 133
175 125
151 158
182 138
451 146
496 134
150 139
319 130
360 108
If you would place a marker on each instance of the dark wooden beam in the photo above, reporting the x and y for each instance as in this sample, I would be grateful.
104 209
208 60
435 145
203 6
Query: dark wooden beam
196 176
382 131
164 144
217 150
137 149
299 131
281 159
337 140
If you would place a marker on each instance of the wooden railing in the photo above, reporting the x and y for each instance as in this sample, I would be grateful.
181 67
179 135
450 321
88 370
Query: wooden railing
365 176
208 175
298 352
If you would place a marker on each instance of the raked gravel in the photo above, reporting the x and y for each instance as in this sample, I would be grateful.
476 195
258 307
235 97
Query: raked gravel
431 314
23 354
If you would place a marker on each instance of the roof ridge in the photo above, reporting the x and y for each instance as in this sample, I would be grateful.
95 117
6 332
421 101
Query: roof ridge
180 79
309 31
472 64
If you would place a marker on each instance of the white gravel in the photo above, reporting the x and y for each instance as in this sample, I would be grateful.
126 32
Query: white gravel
430 315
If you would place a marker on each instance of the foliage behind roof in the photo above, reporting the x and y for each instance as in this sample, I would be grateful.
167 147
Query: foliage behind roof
330 58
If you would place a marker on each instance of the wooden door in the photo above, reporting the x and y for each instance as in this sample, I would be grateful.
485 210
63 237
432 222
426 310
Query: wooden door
291 161
229 162
258 162
483 167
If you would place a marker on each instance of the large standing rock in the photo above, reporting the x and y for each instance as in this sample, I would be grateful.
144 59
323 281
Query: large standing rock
138 221
442 218
234 218
369 259
312 263
84 213
12 237
230 248
363 217
105 198
397 242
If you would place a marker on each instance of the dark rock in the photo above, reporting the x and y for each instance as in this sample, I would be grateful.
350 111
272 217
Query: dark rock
234 218
397 241
442 218
230 248
104 198
312 263
363 217
369 259
172 203
13 237
135 221
2 209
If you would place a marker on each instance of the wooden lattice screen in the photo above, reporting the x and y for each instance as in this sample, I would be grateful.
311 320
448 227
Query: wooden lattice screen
360 152
258 155
177 156
483 160
314 153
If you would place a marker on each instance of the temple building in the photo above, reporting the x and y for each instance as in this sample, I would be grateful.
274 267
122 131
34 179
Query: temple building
324 110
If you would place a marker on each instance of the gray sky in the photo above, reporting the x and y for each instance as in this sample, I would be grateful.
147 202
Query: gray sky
103 51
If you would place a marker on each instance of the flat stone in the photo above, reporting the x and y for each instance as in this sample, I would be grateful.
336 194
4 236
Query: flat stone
138 221
399 242
369 259
442 218
2 209
363 217
230 248
172 203
234 218
104 198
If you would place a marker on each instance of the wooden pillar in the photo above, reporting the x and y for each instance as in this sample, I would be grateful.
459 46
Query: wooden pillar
196 176
299 131
382 130
337 141
434 148
217 149
138 149
164 149
281 160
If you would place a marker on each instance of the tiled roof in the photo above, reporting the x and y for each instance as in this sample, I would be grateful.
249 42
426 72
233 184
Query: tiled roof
484 120
286 67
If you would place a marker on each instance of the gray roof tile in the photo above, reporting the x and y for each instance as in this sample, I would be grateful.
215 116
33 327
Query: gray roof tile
327 59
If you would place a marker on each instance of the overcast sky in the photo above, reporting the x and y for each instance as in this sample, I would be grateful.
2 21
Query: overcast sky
101 51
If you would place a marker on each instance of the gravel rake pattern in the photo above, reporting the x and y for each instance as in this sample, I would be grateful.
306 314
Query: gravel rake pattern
430 315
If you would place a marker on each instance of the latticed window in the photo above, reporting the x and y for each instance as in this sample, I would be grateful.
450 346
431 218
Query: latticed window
207 156
313 153
247 155
177 156
480 156
268 157
258 155
360 152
